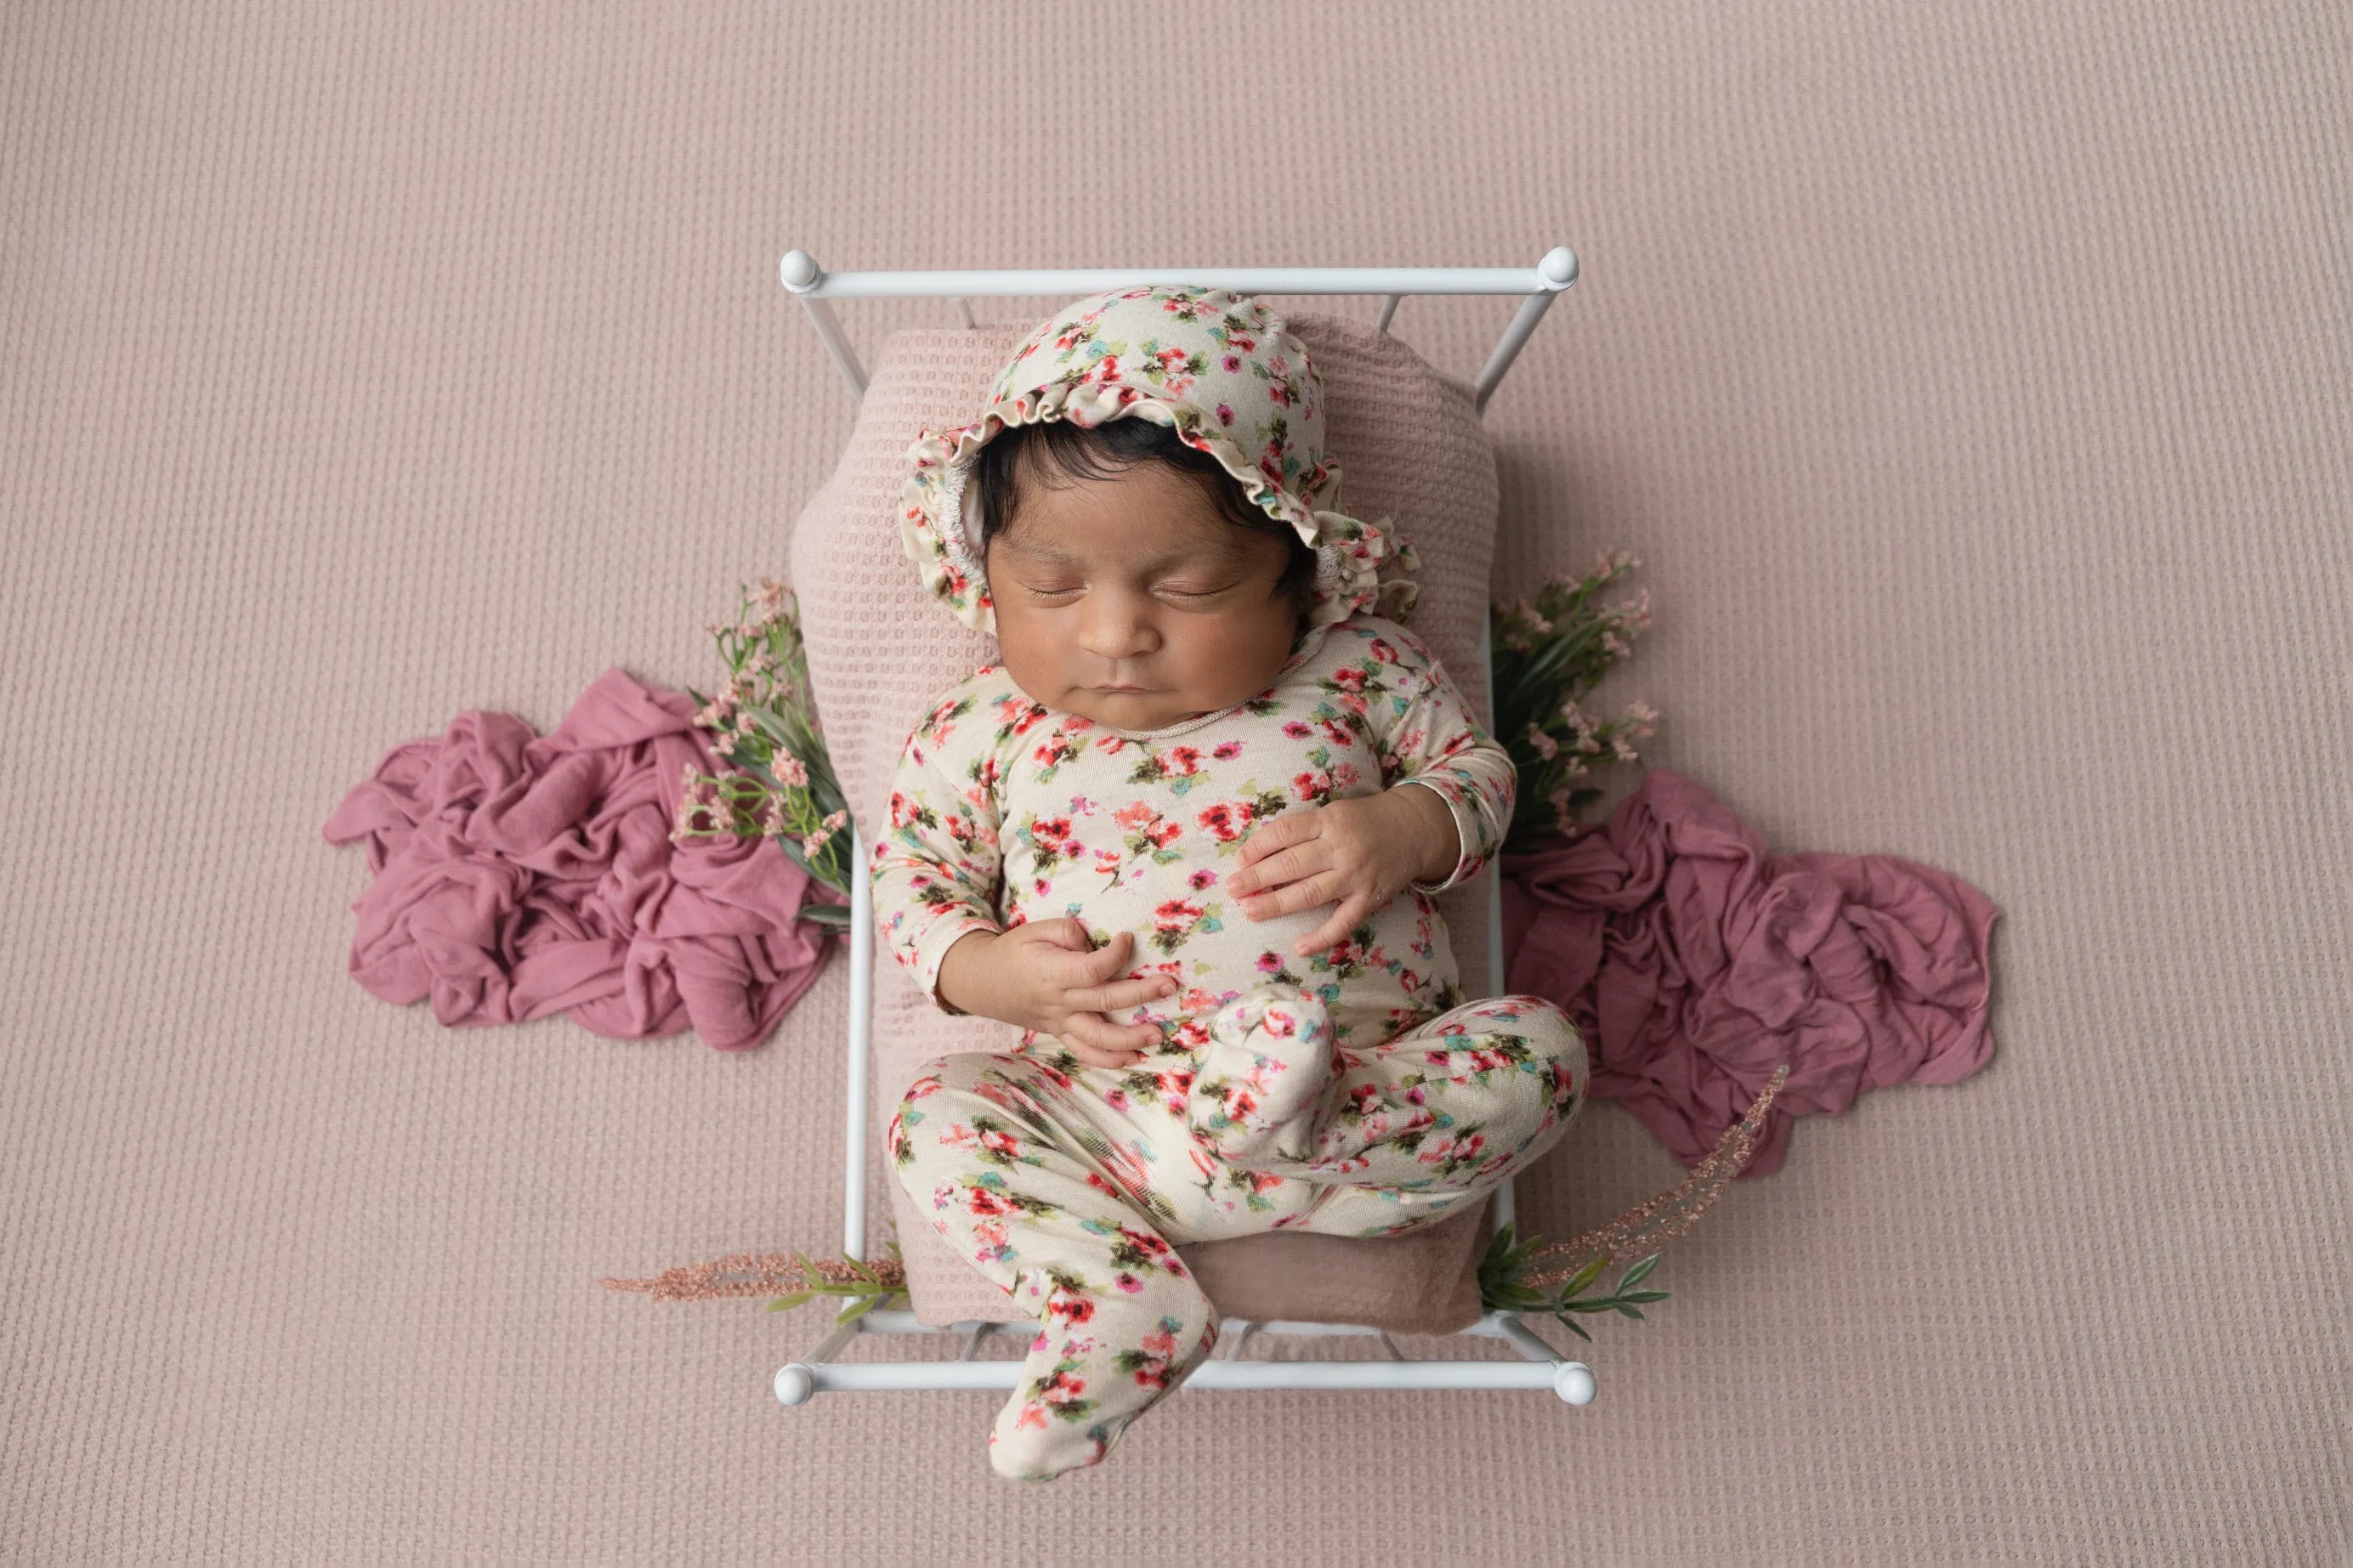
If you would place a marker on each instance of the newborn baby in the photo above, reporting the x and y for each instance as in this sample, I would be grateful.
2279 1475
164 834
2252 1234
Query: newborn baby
1185 836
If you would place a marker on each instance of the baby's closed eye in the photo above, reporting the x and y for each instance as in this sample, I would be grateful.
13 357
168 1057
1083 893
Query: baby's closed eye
1194 589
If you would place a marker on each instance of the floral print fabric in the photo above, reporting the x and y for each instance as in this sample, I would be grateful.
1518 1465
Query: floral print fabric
1222 370
1071 1186
1349 1092
1002 811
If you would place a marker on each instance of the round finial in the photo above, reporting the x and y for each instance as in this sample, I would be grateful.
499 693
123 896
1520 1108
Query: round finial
1573 1382
1558 266
800 271
794 1384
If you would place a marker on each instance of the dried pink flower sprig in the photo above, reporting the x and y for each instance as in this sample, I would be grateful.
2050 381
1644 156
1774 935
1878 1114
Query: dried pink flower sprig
866 1284
1548 655
764 724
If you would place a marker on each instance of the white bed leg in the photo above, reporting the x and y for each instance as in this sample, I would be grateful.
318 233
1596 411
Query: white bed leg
861 1028
797 1381
1557 270
802 276
1572 1380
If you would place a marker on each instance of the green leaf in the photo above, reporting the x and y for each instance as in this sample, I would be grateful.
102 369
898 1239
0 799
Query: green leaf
1640 1272
1641 1296
852 1314
1577 1328
786 1304
1584 1277
1626 1311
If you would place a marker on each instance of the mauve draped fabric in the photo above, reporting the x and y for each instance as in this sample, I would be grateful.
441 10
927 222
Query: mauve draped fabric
517 877
1696 963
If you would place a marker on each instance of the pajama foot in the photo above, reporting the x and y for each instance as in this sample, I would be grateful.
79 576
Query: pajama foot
1260 1081
1079 1392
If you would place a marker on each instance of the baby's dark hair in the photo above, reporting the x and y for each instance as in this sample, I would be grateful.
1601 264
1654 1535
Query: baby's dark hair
1106 450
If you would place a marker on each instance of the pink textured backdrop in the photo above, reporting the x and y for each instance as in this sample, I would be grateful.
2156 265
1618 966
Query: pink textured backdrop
1972 380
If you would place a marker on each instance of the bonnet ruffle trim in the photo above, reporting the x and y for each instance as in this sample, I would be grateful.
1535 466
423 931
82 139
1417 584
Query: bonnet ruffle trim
1361 568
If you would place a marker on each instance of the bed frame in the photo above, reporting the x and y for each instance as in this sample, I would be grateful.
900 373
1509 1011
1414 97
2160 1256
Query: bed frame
1541 1367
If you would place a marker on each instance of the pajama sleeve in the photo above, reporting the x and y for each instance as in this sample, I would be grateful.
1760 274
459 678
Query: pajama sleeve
935 870
1433 739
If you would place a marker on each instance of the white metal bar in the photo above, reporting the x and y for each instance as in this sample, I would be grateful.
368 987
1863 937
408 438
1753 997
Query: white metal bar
796 1383
1292 1326
805 278
901 1320
1555 272
1572 1380
1370 1374
964 312
837 343
861 1022
1494 872
826 1349
1388 309
1540 1366
1504 1202
802 277
1512 1329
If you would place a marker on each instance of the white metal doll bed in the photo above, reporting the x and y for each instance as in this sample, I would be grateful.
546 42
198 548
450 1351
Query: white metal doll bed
1541 1367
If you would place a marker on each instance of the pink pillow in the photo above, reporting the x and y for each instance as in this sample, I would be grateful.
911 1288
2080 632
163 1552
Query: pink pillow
880 647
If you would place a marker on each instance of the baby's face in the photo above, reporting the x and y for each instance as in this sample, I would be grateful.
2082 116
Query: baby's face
1133 602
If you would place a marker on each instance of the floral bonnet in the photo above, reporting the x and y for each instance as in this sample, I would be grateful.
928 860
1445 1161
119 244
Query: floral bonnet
1226 374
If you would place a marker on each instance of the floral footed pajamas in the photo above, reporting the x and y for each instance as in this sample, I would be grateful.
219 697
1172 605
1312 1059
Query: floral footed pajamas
1071 1188
1351 1092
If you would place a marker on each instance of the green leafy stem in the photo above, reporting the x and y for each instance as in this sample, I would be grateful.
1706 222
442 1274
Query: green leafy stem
867 1285
1506 1261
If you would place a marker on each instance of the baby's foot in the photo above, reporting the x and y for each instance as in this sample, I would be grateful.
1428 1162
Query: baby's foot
1079 1392
1050 1425
1262 1075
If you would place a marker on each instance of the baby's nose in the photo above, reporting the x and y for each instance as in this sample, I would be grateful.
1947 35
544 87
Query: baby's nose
1118 632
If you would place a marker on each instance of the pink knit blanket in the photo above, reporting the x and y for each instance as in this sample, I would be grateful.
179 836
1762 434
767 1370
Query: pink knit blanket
1696 963
518 875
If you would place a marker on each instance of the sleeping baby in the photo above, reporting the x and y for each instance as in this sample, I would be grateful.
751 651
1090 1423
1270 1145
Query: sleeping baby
1184 835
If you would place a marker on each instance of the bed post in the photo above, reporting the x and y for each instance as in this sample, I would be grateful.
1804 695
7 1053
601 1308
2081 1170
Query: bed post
1557 271
1502 1203
802 276
861 1022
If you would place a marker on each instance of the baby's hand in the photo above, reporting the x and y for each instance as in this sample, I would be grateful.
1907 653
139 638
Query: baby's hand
1048 975
1361 850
